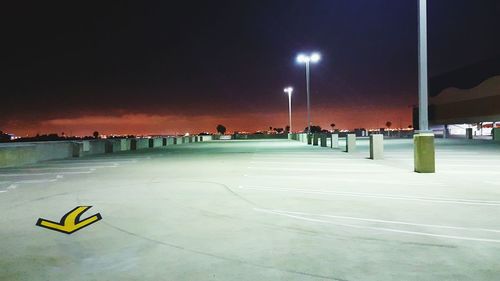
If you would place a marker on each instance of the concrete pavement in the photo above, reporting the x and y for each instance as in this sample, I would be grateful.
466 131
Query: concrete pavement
257 210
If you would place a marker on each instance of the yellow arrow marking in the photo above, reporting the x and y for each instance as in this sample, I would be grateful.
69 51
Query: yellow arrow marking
70 222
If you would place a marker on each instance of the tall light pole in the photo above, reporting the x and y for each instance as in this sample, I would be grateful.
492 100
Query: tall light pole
423 91
424 149
289 91
307 60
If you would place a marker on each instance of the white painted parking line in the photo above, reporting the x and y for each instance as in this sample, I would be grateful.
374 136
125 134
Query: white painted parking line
378 196
375 169
45 174
57 168
36 181
391 222
330 163
477 239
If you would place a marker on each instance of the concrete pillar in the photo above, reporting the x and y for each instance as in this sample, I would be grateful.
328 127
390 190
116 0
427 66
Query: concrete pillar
495 132
315 139
77 149
309 139
151 143
86 146
424 152
196 139
124 144
468 133
350 144
446 132
376 146
335 141
323 140
108 146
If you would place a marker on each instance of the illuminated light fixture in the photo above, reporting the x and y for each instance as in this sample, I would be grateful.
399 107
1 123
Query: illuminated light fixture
307 60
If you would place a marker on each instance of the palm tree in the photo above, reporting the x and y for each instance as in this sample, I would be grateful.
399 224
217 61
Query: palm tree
388 124
221 129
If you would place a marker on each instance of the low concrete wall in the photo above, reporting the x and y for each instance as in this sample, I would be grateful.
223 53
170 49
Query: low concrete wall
117 145
155 142
94 147
206 138
496 134
17 154
260 136
170 141
137 144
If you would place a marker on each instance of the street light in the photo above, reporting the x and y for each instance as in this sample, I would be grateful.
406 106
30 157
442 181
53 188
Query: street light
307 60
289 91
424 150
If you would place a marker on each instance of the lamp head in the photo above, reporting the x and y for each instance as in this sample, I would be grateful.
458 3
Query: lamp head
315 57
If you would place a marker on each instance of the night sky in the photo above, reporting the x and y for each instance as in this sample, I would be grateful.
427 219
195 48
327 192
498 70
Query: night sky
148 67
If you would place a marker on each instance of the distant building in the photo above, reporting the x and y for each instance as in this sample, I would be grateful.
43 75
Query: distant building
470 95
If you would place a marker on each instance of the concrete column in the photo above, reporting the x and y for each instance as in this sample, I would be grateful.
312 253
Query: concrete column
124 144
335 141
196 139
350 144
468 133
424 151
86 146
309 139
446 132
108 146
315 139
323 140
151 143
77 149
376 146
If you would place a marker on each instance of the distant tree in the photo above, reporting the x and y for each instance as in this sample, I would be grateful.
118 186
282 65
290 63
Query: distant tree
388 124
410 126
96 134
278 130
270 128
287 129
333 126
221 129
314 129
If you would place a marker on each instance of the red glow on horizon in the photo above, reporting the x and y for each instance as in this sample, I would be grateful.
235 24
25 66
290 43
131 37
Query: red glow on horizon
145 124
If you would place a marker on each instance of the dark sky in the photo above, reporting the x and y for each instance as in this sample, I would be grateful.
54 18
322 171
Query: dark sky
187 65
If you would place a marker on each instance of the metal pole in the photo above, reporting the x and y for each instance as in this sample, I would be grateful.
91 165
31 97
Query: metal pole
290 112
422 66
308 99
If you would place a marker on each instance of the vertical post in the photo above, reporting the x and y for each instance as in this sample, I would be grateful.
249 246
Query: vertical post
423 141
308 98
422 67
290 112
